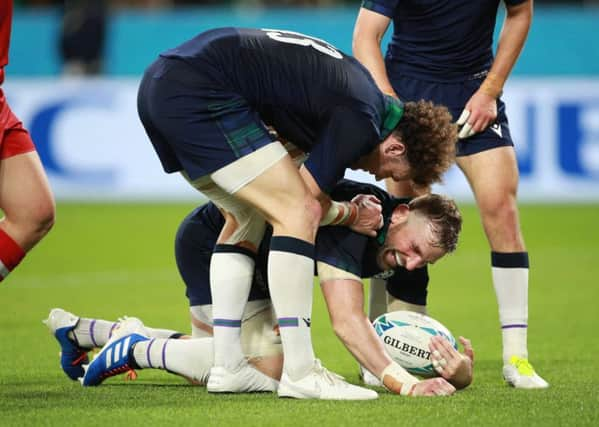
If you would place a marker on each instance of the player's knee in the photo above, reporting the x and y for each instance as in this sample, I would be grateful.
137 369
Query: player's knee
33 225
43 220
298 214
313 212
499 209
249 227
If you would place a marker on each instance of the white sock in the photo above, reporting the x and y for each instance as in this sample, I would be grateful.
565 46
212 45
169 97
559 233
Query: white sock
231 275
190 358
510 279
91 333
162 333
377 299
290 280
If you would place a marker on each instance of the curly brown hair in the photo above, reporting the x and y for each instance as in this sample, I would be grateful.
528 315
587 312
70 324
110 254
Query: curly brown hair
429 134
444 217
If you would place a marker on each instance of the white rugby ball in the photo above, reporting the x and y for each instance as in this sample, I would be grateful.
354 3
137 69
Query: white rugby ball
406 336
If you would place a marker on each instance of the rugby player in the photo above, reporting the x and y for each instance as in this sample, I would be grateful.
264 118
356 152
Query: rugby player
25 196
414 234
442 51
205 106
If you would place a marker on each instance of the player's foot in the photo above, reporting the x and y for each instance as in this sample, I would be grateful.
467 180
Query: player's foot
323 384
244 379
72 356
369 378
117 355
519 373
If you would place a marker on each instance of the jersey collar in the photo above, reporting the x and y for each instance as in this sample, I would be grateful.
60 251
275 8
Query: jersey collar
393 114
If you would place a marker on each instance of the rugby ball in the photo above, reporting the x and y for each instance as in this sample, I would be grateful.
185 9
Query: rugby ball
406 336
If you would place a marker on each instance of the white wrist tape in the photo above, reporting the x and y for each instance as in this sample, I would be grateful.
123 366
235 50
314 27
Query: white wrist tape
407 380
340 213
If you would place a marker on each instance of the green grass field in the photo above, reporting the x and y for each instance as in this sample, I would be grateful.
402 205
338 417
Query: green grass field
109 260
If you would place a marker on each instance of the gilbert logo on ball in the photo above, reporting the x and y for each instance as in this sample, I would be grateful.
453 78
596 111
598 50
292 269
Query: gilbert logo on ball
406 336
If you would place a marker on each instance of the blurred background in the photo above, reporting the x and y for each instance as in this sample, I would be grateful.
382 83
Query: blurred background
75 64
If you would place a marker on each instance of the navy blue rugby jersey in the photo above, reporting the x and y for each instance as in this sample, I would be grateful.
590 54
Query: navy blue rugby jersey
313 94
335 245
351 251
440 39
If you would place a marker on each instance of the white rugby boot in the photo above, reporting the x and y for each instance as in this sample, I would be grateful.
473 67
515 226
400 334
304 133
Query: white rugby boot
244 379
369 378
320 383
519 373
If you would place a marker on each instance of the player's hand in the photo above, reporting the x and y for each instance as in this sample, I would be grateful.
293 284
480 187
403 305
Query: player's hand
370 217
433 387
479 113
455 367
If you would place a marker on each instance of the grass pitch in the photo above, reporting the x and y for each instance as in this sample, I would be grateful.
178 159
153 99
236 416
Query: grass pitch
109 260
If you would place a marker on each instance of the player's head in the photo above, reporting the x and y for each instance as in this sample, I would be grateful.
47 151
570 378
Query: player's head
429 135
421 232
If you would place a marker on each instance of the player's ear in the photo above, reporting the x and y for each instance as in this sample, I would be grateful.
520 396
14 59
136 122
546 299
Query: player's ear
400 214
395 147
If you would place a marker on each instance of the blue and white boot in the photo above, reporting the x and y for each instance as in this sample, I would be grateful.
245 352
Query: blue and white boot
116 356
72 356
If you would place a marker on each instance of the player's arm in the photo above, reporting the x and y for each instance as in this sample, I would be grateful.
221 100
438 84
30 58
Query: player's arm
344 298
481 109
369 30
347 136
363 214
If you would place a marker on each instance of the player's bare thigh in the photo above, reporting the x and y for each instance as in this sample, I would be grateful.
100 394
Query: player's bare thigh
286 202
25 198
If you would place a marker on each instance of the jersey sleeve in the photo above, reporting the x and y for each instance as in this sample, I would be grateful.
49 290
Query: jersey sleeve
383 7
341 248
346 137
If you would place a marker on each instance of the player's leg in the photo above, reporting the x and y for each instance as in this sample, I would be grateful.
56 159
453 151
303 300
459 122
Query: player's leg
287 204
25 199
131 347
281 195
231 273
493 176
78 335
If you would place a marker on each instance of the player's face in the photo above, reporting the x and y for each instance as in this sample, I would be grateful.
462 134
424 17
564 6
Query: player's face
387 160
410 242
394 162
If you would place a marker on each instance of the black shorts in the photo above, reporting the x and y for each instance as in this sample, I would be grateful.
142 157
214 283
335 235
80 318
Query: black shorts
194 121
194 244
455 95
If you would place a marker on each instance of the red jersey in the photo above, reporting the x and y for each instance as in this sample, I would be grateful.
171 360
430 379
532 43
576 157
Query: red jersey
5 24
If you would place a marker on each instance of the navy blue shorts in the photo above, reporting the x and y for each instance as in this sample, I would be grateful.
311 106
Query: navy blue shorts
194 243
455 95
194 121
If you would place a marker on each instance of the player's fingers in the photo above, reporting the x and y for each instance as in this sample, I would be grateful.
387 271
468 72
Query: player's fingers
449 349
374 199
466 131
439 350
463 117
468 350
482 123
